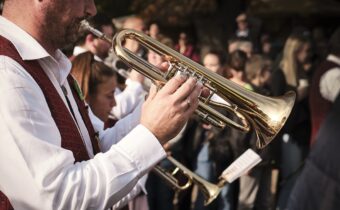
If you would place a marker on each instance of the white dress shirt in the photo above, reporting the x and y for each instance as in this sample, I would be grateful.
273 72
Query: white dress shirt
330 81
36 172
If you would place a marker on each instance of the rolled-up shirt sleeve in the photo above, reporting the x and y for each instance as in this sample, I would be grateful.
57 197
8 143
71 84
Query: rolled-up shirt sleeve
36 173
330 84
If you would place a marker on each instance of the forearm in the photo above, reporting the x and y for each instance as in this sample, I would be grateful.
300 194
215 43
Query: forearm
53 181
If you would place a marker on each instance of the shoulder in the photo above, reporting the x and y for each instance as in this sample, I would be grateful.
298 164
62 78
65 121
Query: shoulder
332 74
17 87
13 75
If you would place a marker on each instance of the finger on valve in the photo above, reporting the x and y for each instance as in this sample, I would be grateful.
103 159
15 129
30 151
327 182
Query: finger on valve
186 89
173 84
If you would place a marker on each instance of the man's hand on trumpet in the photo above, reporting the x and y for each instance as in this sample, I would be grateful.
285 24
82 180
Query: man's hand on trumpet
166 111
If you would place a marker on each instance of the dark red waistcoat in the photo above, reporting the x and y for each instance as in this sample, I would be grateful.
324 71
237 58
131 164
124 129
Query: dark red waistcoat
70 136
319 106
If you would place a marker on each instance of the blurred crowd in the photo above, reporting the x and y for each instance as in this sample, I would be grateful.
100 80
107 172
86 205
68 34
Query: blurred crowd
307 63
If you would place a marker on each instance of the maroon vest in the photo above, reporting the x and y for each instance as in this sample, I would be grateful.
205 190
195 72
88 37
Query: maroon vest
70 136
319 106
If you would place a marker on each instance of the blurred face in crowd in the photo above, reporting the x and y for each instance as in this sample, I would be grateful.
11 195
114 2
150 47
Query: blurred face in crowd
242 25
101 47
303 53
60 20
182 38
212 62
264 77
154 58
154 30
137 24
266 47
245 46
134 23
102 101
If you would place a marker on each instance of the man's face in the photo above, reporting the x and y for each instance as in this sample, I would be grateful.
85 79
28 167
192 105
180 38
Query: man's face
61 19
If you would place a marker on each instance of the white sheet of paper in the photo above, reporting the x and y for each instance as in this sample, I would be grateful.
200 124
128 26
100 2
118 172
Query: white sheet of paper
241 165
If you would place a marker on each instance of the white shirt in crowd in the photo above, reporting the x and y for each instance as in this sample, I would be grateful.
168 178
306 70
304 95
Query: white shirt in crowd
128 100
330 81
36 172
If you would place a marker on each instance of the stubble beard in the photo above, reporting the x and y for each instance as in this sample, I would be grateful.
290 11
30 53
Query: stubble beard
57 32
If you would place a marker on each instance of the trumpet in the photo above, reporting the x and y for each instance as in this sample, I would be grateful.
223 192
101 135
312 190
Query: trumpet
265 115
210 191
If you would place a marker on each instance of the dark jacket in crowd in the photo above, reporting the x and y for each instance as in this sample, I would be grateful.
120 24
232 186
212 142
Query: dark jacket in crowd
220 150
318 187
318 105
298 125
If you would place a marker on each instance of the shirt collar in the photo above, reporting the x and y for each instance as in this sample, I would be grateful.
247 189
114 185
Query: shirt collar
78 50
333 58
30 49
26 45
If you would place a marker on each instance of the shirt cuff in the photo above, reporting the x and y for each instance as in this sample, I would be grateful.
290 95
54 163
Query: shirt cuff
143 148
142 182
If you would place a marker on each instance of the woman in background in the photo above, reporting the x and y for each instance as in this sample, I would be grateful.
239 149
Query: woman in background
292 74
97 83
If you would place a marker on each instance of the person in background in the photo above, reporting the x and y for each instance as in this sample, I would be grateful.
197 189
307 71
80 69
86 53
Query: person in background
249 29
236 68
135 23
211 151
154 30
267 47
325 86
242 26
294 136
89 42
317 188
134 91
258 73
186 48
241 44
97 83
255 186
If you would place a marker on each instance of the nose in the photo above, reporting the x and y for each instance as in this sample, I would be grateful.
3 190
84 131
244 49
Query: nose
90 9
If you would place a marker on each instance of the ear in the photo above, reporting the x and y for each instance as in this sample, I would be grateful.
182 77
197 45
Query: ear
89 38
